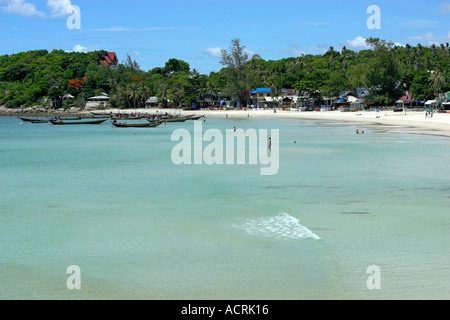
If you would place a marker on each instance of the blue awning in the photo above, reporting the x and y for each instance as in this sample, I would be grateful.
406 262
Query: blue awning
263 90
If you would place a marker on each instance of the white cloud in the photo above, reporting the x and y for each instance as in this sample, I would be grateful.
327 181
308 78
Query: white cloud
79 48
137 53
250 53
294 50
213 52
22 8
59 8
444 8
429 39
359 43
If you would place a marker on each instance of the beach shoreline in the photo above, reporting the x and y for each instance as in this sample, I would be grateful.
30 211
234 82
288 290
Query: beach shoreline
410 122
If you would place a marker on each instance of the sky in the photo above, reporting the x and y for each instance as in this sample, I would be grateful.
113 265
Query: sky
152 32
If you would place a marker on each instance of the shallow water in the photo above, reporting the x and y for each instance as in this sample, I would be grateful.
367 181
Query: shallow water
112 202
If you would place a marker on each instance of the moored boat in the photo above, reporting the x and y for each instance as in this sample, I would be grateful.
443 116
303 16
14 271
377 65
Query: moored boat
69 118
127 118
27 119
175 119
136 125
75 122
196 117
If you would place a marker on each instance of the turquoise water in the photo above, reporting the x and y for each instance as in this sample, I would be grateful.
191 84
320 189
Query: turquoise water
112 202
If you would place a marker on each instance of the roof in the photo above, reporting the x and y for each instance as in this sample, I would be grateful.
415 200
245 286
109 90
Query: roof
110 58
111 55
99 98
263 90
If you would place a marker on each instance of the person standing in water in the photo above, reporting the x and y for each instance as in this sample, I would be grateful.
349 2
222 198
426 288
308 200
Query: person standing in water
270 144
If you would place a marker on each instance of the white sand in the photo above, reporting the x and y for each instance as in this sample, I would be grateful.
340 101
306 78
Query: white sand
412 122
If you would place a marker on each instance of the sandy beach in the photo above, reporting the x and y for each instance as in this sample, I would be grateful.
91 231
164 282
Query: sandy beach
411 122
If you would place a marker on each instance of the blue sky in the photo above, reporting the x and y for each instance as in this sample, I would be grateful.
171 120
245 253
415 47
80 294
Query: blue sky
152 32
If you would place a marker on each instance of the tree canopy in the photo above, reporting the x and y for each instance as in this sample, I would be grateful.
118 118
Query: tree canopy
36 77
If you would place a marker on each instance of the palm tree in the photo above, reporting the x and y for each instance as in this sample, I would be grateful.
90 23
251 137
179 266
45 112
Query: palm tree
112 82
437 80
144 93
162 92
300 61
333 55
133 93
211 86
275 88
120 96
408 54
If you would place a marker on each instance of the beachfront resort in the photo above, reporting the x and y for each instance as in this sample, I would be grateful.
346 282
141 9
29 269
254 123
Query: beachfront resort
285 170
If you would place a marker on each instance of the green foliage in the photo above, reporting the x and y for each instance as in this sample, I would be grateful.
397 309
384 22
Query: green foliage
29 78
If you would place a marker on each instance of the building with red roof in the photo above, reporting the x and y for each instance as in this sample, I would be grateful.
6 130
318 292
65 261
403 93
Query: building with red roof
110 60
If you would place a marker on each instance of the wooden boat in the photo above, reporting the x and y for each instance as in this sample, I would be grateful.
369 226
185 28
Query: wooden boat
136 125
35 120
87 121
196 117
69 118
126 118
176 119
27 119
99 117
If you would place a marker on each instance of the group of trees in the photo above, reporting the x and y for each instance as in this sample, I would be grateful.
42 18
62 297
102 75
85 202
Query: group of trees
37 77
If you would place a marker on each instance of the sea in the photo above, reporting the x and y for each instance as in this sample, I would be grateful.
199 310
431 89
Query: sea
346 217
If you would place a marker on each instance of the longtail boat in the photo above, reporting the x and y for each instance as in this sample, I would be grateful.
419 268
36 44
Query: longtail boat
87 121
27 119
196 117
136 125
176 119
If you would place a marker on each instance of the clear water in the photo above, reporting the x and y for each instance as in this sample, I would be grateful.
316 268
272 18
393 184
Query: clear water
111 202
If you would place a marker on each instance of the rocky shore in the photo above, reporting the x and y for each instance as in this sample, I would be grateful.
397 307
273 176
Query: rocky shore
40 112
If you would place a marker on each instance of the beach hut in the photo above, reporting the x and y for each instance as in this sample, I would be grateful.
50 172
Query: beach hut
99 102
262 97
151 102
67 98
406 101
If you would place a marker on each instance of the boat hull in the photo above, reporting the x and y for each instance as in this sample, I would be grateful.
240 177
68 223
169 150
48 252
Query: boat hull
137 125
68 123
